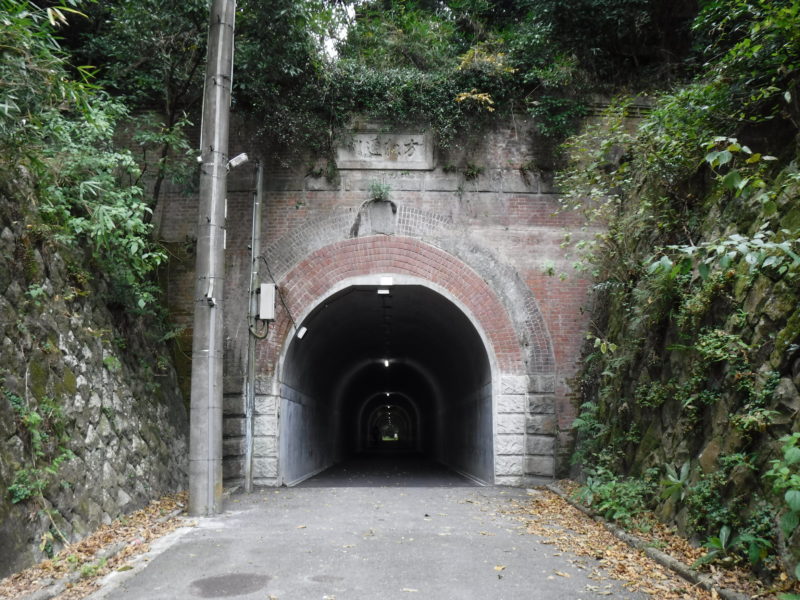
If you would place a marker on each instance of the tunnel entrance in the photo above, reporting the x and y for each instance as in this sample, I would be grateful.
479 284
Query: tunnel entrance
382 372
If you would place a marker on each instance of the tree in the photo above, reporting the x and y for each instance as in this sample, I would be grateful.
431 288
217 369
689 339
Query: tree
59 160
151 57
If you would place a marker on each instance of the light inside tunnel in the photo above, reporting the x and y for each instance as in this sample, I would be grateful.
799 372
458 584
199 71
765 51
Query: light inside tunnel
434 401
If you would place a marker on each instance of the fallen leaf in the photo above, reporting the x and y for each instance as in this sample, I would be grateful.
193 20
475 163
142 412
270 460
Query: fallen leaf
134 531
500 568
562 574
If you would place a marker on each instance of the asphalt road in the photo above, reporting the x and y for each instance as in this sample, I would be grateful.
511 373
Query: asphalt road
391 531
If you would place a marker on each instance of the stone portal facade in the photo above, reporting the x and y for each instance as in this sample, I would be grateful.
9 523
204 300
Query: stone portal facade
480 222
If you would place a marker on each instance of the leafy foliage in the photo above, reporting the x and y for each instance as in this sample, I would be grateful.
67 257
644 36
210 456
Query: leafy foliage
785 476
42 426
755 44
443 63
87 199
150 59
610 37
33 71
617 499
723 546
697 202
60 134
675 483
402 35
165 70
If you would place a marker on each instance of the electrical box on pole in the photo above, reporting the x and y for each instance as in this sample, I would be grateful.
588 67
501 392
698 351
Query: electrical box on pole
266 302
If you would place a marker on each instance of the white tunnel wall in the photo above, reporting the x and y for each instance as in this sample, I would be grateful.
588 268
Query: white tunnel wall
467 434
437 359
308 437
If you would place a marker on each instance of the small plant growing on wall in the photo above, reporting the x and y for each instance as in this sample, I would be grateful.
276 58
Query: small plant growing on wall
42 427
472 172
379 191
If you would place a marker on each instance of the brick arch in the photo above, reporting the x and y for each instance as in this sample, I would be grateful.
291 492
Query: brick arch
432 231
321 270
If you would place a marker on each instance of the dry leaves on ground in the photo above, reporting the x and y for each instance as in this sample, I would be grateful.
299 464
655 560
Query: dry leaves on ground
568 529
670 542
132 532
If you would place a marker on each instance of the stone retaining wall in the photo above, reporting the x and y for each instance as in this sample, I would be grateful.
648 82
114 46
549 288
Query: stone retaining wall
98 383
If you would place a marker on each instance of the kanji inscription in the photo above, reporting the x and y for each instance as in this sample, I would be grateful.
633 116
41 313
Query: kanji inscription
374 150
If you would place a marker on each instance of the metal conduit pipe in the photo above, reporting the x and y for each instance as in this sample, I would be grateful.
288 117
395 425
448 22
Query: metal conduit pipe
250 392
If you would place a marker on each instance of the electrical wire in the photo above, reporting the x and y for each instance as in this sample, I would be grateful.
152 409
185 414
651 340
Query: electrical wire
256 334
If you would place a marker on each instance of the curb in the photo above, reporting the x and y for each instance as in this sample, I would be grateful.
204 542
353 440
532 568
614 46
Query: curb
58 587
665 560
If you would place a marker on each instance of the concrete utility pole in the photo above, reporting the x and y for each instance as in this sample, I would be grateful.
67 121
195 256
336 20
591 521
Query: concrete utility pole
205 436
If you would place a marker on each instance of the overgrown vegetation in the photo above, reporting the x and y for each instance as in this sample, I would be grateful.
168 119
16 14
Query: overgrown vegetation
446 64
695 331
58 158
695 334
42 428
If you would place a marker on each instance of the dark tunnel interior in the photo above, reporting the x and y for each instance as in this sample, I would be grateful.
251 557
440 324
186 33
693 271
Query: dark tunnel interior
382 371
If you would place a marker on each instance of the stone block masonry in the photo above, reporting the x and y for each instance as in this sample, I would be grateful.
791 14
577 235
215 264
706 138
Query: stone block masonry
106 393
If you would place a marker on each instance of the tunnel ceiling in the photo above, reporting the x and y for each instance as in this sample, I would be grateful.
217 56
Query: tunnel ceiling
351 332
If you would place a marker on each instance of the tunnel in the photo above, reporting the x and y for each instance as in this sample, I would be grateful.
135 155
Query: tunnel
382 371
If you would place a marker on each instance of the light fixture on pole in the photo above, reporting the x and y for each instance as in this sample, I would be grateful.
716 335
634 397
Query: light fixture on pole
237 160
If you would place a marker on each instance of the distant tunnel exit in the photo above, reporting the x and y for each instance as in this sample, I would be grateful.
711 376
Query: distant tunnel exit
386 370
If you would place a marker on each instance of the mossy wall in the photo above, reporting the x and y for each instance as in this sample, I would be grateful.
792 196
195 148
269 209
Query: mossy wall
702 366
92 424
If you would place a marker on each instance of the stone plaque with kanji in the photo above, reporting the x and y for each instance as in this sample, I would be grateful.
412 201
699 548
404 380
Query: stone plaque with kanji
375 150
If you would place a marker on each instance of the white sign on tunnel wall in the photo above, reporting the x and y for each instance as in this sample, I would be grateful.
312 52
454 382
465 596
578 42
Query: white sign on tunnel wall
377 150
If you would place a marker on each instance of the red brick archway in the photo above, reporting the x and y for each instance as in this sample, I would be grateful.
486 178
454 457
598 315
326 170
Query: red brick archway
313 277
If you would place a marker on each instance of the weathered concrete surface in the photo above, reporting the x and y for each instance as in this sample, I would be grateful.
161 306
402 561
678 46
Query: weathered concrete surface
407 539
